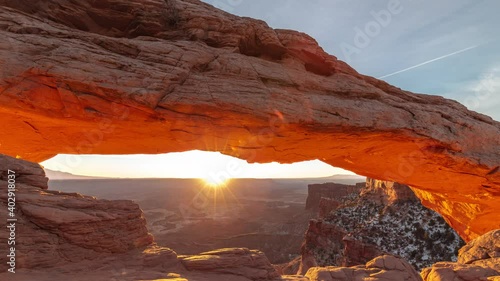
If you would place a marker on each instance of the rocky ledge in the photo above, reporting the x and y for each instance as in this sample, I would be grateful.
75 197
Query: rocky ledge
379 269
125 77
56 228
477 260
383 217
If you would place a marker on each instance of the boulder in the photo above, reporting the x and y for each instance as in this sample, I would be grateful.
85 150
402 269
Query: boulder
55 228
383 268
478 260
251 264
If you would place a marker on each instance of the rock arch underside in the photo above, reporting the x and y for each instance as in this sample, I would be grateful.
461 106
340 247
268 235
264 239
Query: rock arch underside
124 77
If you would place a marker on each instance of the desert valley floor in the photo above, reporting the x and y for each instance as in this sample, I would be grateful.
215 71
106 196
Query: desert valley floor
264 214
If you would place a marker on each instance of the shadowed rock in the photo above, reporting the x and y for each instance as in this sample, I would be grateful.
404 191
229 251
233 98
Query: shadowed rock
384 217
56 228
120 77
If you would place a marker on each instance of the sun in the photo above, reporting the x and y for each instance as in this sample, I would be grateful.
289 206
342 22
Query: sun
215 183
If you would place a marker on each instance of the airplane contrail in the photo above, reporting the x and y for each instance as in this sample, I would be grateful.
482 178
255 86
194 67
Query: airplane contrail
429 61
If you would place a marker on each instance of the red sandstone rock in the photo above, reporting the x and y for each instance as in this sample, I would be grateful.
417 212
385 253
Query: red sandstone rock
383 268
55 228
26 172
478 260
387 192
327 205
331 191
484 247
124 77
460 272
385 217
251 264
68 236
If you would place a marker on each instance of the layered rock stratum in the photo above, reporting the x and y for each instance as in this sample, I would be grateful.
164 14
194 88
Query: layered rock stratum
383 217
316 193
119 77
55 228
69 236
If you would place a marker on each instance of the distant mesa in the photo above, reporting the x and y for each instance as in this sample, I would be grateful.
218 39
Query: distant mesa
58 175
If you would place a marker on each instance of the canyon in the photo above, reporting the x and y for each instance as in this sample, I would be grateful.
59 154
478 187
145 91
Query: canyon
356 225
64 234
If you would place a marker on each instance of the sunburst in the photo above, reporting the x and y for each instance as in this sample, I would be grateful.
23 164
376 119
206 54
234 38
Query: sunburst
215 183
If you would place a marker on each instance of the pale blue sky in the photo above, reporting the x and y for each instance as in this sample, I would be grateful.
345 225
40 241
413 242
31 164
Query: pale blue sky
450 48
422 30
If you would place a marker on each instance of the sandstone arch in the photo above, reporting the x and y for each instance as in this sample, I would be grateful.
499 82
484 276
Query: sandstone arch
125 77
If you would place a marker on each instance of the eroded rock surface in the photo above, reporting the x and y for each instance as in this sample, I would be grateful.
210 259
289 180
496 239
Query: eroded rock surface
251 264
484 247
332 191
385 217
68 236
478 260
118 77
383 268
55 228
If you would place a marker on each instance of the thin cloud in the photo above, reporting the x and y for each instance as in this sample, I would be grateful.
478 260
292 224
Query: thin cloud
429 61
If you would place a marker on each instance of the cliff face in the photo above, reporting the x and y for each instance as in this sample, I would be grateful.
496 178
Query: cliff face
385 218
68 236
120 77
387 193
332 191
54 228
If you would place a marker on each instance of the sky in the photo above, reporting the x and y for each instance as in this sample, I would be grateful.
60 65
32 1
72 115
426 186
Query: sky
448 48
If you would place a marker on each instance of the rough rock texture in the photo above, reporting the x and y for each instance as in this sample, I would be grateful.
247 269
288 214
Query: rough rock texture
122 77
251 264
385 218
481 248
289 268
68 236
330 190
478 260
55 228
26 172
327 245
387 192
327 205
383 268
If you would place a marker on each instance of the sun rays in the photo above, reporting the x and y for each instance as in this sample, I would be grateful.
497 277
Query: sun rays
215 183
